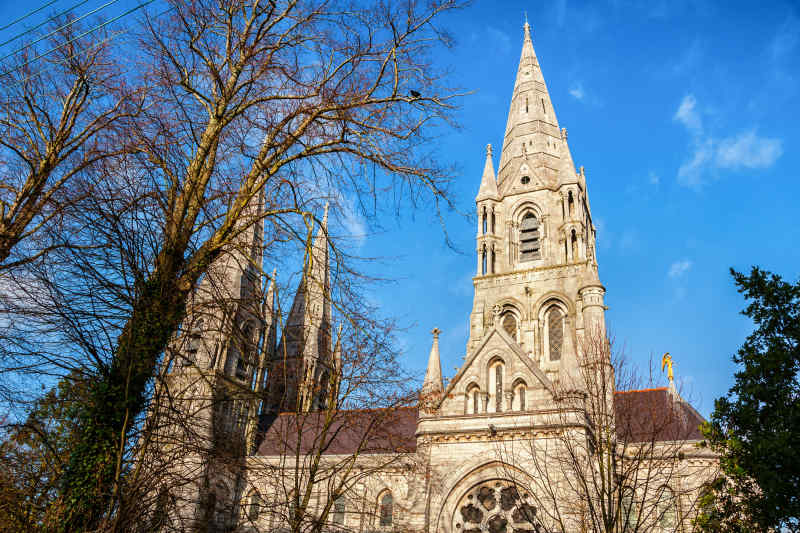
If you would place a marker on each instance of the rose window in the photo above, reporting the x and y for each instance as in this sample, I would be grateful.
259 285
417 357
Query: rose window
496 507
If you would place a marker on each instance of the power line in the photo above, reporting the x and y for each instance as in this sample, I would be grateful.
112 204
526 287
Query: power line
84 34
45 22
96 45
23 17
68 24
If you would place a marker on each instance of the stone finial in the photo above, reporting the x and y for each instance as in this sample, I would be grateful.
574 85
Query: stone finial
489 150
433 384
496 310
564 133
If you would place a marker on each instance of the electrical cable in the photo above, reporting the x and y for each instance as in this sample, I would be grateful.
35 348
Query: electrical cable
96 45
67 25
43 23
23 17
84 34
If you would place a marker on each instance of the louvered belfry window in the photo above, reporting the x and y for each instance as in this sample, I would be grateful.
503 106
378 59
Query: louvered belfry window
529 241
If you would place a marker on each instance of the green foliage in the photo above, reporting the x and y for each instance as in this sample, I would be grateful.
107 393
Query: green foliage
756 426
92 475
33 455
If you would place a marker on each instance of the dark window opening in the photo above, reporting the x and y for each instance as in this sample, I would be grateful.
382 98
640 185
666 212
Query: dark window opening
529 245
387 502
525 180
498 396
483 262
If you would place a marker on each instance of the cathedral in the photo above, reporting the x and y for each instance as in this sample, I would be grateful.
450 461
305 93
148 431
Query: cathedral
519 440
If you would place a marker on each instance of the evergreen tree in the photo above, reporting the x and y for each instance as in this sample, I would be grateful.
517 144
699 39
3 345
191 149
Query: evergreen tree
757 425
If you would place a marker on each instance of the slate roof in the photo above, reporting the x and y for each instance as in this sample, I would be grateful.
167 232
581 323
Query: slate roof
367 431
641 415
654 414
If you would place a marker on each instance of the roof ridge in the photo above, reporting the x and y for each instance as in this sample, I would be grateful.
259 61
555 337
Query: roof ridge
641 390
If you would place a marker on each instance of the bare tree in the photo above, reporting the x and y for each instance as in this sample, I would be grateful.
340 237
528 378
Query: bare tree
290 100
618 457
60 117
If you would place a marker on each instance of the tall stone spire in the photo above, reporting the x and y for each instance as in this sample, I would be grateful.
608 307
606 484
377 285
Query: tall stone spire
433 375
533 144
488 189
305 348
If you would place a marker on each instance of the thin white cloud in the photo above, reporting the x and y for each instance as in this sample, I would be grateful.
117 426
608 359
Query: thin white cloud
748 150
577 92
688 115
679 268
352 221
691 171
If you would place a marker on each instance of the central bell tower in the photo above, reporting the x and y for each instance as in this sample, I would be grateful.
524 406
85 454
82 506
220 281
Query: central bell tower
537 275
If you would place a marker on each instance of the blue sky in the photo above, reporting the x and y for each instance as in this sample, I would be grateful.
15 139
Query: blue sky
684 115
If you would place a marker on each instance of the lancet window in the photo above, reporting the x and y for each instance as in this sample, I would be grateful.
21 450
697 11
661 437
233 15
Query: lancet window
386 509
529 238
520 390
195 340
555 332
473 399
496 371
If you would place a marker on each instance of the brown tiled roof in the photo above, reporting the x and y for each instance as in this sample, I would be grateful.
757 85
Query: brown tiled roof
364 431
655 415
641 415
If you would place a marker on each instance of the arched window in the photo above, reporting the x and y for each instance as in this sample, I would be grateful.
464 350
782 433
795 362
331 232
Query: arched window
473 400
667 514
483 223
217 506
254 506
386 509
493 222
338 510
195 340
570 203
519 396
492 261
496 385
529 242
574 241
555 332
483 261
629 513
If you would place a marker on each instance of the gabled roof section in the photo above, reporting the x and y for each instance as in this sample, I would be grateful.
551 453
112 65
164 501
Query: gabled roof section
655 415
515 349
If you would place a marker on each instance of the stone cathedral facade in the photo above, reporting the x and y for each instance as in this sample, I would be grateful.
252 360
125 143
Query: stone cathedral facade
446 466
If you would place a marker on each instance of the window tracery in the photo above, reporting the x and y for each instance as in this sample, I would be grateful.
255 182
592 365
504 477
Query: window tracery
496 506
555 333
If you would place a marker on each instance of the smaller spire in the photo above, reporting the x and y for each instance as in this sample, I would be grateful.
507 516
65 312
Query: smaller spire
488 183
433 376
337 353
